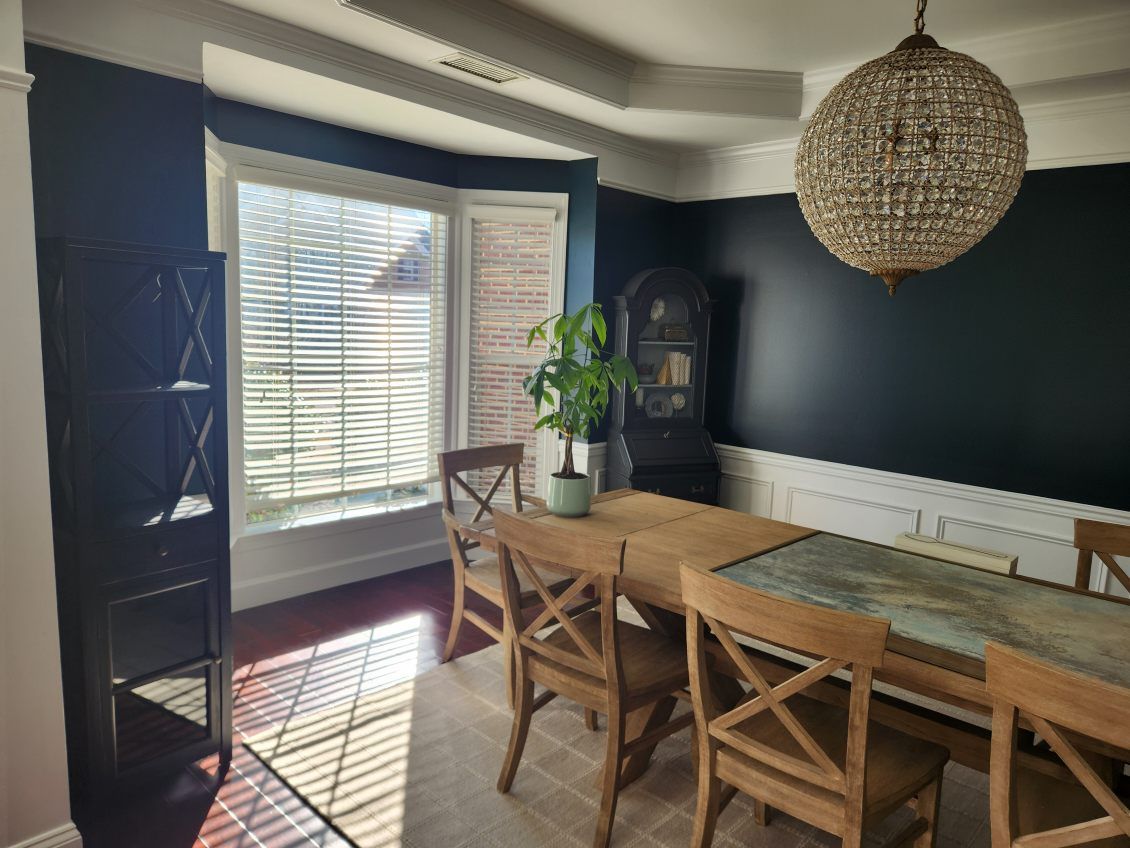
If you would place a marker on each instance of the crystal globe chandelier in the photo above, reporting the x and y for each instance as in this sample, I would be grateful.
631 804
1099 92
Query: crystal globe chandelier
911 159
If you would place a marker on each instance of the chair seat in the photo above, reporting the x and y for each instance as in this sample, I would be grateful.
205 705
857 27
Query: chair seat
484 577
653 664
898 765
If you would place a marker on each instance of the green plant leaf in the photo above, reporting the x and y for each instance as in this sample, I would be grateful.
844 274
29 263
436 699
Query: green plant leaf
599 328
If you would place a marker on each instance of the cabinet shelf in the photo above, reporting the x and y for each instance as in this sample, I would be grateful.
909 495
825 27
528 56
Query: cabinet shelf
661 342
182 388
666 385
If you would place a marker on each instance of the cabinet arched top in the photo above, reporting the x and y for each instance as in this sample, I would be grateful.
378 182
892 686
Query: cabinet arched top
643 285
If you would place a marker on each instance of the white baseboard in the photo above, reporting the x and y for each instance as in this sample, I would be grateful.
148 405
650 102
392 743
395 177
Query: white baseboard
65 836
876 505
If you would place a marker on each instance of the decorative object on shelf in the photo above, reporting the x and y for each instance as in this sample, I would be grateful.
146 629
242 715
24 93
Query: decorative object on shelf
646 372
659 406
134 370
575 367
658 309
675 333
662 446
911 159
639 398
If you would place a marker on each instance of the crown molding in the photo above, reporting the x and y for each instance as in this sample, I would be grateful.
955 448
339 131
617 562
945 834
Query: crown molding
1068 49
718 91
16 80
118 57
512 38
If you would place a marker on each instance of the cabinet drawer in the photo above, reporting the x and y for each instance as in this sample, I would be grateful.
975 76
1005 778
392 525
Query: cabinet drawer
155 551
702 488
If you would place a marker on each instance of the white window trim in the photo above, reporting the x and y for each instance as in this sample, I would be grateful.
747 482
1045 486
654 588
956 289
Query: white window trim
518 206
233 163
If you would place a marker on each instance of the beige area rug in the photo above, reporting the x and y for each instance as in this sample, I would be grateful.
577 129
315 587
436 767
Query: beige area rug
415 764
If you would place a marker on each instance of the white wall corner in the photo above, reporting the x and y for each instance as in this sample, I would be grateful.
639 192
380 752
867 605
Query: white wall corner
875 505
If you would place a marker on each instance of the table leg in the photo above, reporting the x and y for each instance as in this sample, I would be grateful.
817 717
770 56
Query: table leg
644 720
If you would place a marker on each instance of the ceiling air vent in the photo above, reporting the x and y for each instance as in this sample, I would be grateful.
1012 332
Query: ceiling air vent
480 68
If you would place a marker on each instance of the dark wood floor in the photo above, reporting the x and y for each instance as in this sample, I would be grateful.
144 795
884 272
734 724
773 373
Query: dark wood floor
292 658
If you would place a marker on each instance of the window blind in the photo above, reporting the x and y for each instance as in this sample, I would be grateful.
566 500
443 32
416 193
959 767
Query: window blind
511 280
342 312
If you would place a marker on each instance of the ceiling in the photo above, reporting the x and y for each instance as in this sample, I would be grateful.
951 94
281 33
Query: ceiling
747 70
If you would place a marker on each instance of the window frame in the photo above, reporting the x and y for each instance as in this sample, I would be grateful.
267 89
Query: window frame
517 206
229 164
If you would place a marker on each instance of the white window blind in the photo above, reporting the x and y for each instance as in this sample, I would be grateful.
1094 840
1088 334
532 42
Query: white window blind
511 283
343 331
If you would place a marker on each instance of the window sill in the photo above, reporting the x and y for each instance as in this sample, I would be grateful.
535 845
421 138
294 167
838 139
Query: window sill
273 533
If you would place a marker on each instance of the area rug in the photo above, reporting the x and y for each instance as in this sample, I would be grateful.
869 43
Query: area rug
415 764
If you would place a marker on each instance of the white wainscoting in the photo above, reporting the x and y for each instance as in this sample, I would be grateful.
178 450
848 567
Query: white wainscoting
877 505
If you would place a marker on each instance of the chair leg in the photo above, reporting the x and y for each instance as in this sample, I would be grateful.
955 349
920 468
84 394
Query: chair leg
929 799
591 721
509 675
456 620
709 788
610 782
761 812
523 709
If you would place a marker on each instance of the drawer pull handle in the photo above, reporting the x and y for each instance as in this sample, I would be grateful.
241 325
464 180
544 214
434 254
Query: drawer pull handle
667 435
698 490
162 551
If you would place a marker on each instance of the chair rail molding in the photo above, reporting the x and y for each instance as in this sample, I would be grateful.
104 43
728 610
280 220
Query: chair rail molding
874 505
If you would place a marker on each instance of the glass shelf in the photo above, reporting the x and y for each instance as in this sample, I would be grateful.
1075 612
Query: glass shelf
181 388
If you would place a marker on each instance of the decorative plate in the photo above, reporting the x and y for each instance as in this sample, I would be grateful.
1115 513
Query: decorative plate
678 401
659 406
658 309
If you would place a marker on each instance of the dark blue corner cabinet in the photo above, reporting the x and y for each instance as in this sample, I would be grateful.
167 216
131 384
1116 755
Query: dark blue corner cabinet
134 372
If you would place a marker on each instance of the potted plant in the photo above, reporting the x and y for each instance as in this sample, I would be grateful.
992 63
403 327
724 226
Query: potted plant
573 380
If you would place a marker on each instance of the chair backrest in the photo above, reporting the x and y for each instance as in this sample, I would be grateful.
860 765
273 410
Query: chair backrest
1105 540
838 639
591 562
491 462
1058 703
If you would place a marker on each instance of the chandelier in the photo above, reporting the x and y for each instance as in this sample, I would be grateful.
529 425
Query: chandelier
911 159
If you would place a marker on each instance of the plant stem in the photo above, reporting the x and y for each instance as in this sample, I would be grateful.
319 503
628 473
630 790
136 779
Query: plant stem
567 468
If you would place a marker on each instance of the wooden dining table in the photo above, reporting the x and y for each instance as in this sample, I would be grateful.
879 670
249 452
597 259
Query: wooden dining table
941 614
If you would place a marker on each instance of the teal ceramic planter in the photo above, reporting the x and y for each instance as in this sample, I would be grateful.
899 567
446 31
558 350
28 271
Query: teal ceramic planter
569 498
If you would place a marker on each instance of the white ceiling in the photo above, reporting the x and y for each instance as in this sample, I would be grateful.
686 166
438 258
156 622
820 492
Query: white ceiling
764 35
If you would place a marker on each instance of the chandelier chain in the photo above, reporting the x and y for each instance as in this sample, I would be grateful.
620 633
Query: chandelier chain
920 17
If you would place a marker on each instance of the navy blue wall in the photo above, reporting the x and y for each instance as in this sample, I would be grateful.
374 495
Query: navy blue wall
116 153
1009 368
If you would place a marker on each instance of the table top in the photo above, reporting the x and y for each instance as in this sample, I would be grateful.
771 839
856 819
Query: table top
663 532
938 608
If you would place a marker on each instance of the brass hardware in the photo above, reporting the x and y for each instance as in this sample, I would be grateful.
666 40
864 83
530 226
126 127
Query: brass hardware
162 551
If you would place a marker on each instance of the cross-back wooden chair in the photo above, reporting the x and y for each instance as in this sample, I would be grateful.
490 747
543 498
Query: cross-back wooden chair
820 763
1105 540
592 658
480 576
1059 704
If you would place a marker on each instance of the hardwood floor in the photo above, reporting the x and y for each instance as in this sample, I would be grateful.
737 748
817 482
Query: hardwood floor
292 658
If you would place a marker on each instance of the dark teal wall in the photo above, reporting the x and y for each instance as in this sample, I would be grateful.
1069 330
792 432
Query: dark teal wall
1008 368
116 153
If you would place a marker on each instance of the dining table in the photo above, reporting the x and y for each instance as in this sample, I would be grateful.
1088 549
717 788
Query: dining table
942 614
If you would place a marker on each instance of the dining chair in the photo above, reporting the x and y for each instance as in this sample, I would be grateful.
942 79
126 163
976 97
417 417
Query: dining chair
1105 540
1061 705
462 470
592 658
830 767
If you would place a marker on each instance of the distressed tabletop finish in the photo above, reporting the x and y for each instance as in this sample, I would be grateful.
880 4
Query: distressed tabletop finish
945 613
